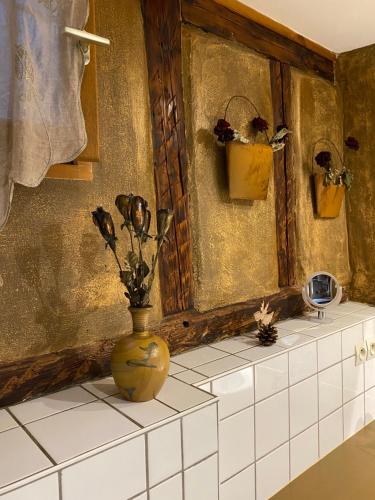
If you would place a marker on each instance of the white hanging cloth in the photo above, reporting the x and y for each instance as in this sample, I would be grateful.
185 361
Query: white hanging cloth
41 120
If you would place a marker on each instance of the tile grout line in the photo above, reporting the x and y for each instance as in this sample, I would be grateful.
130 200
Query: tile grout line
147 465
182 458
218 448
59 479
41 448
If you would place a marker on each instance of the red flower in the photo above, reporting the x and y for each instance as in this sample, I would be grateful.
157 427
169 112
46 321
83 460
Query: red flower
323 159
224 131
352 143
259 124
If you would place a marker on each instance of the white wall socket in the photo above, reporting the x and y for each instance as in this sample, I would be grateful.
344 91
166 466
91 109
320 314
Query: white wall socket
361 353
370 348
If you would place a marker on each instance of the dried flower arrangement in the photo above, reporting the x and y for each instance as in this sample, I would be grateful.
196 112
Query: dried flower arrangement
341 176
225 133
137 219
266 319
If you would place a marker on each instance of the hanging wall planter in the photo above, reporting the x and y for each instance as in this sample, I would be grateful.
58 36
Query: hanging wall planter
249 165
331 185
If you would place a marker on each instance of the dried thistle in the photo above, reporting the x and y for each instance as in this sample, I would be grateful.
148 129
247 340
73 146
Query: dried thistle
259 124
352 143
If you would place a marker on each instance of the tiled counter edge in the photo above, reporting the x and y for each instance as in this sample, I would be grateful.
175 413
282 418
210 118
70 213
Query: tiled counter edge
269 432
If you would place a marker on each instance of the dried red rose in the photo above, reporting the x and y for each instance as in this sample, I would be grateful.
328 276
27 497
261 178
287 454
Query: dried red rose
259 124
323 159
224 131
352 143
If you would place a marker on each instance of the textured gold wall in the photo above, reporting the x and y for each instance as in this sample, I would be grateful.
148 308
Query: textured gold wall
322 244
234 242
59 288
355 73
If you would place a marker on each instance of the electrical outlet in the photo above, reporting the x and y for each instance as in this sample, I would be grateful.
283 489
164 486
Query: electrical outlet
361 353
370 348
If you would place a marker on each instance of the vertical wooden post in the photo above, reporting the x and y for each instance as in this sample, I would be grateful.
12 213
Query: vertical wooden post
284 175
162 22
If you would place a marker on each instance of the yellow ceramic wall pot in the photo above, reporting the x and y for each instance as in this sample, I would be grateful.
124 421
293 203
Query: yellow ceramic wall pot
329 198
140 361
249 167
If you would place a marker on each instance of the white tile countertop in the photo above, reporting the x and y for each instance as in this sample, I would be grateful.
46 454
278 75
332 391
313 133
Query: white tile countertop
51 437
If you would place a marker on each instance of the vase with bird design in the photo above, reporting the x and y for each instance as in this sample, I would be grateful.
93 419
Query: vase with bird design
140 361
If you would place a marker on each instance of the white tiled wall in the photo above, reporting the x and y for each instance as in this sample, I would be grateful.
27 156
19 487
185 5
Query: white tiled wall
279 411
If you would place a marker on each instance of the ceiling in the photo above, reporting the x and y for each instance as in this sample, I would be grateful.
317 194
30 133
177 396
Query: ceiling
338 25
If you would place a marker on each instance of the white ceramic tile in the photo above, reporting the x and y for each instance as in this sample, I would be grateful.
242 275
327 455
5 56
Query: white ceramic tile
164 452
353 379
143 496
330 432
73 432
236 391
304 451
19 456
201 481
296 325
190 377
43 489
199 435
102 476
220 366
281 333
205 387
325 328
169 489
348 307
173 368
272 473
181 396
239 487
369 329
293 340
330 390
144 414
354 416
370 373
350 338
271 423
257 353
271 376
369 406
329 351
102 388
364 314
236 443
6 421
199 356
303 405
236 344
51 404
302 363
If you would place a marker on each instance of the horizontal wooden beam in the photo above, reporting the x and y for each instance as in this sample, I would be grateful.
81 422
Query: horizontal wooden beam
219 20
28 378
267 22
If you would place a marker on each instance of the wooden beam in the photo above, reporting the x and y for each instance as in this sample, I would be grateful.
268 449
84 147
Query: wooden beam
162 21
280 174
267 22
219 20
291 190
28 378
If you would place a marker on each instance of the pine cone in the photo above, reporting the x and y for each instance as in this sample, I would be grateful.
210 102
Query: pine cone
267 334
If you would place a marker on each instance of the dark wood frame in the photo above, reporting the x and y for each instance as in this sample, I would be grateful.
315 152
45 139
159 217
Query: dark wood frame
182 326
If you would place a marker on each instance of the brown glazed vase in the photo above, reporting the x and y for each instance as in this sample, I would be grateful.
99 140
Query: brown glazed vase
140 361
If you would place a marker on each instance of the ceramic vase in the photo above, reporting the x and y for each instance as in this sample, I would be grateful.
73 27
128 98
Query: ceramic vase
140 361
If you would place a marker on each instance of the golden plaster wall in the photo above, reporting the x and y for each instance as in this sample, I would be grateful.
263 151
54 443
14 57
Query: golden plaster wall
355 73
322 244
234 242
59 288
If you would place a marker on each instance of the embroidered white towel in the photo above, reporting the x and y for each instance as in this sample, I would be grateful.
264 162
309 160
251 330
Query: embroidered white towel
41 121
